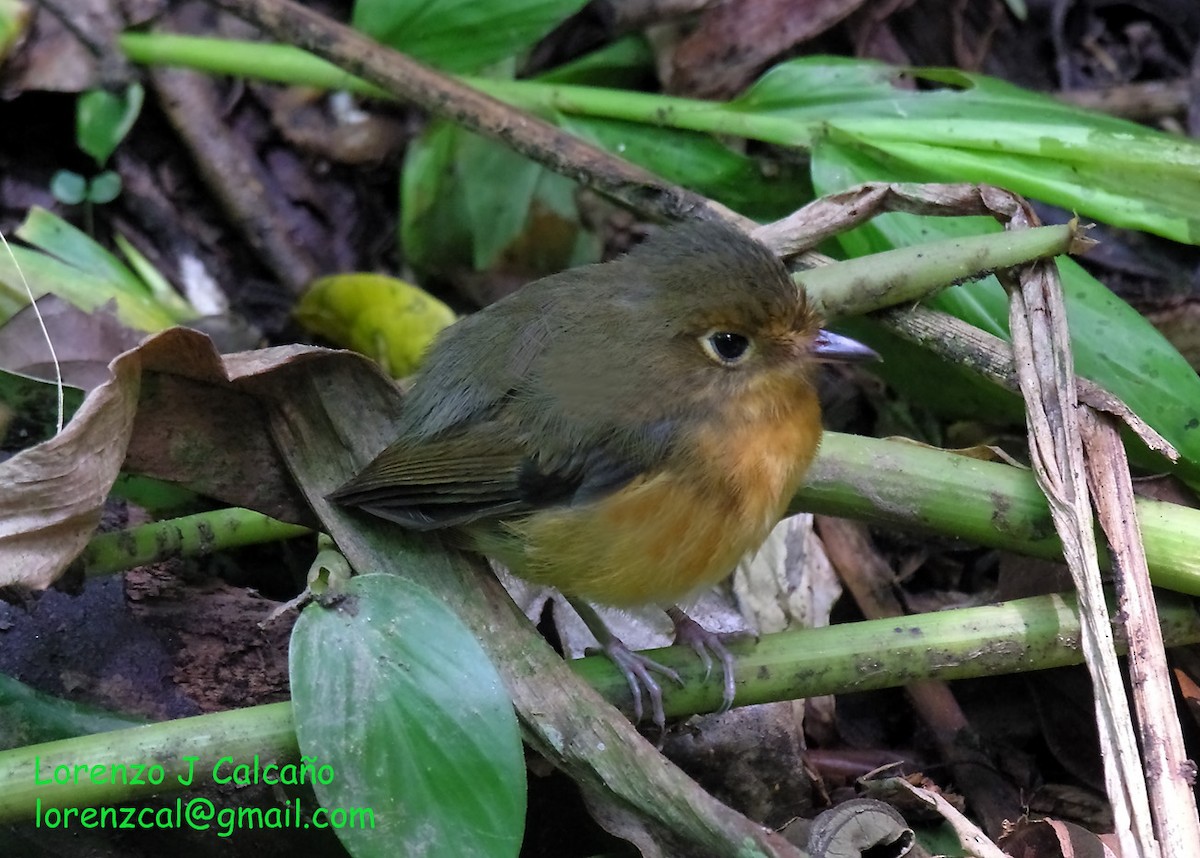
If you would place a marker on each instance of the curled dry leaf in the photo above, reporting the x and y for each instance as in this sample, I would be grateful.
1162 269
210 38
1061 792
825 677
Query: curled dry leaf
172 408
51 495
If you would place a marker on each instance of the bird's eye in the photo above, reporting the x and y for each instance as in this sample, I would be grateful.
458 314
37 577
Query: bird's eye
726 347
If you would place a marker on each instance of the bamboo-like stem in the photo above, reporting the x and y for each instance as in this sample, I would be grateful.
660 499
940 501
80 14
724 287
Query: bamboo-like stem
188 536
910 485
1026 634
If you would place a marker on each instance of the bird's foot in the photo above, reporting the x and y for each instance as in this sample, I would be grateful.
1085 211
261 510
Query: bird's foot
639 671
706 645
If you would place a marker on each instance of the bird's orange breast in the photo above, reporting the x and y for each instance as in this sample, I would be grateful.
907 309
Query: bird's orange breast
684 526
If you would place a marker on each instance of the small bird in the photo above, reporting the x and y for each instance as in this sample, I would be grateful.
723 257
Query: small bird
624 432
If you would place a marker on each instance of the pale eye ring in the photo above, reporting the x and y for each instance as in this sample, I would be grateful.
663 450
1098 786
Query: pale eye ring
727 348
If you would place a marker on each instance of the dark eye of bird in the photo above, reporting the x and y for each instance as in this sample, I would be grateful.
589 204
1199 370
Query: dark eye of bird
728 346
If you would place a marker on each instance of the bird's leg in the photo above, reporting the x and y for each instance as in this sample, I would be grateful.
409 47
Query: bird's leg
635 667
706 645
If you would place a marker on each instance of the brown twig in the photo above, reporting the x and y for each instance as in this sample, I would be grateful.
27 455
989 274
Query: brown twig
232 172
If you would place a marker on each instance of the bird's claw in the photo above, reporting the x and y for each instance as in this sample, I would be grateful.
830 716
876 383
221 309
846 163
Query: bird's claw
706 644
638 671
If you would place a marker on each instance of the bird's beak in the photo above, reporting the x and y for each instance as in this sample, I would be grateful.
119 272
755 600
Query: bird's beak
829 347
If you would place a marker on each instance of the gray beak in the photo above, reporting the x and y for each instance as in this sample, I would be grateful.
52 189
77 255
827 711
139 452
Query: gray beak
829 347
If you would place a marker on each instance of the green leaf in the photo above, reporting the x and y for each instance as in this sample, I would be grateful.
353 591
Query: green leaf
394 694
464 198
1113 344
954 126
963 129
627 63
160 498
460 35
32 717
433 226
759 189
68 187
160 289
387 319
104 187
53 235
12 295
15 16
68 263
102 119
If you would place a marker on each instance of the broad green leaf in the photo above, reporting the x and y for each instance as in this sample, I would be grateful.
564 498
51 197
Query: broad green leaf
394 694
953 125
460 35
433 226
759 189
32 717
978 129
1113 344
500 190
103 118
466 201
160 498
387 319
627 63
820 88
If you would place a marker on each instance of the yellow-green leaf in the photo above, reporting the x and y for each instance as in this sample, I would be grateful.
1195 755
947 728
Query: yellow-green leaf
387 319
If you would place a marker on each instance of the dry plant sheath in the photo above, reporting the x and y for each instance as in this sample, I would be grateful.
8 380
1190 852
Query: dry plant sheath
1169 773
1044 369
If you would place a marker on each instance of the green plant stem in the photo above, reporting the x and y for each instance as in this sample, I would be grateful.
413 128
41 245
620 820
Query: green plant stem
191 535
908 274
265 61
289 65
262 733
910 485
1027 634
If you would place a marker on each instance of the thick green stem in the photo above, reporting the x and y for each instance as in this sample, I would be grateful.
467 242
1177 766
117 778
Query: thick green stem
907 484
188 536
908 274
1037 633
897 483
99 769
1027 634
